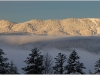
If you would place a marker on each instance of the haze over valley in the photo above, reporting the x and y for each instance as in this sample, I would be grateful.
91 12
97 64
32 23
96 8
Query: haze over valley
17 47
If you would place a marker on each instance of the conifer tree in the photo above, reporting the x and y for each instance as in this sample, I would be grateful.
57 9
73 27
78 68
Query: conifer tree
12 68
34 63
59 66
97 67
3 63
74 66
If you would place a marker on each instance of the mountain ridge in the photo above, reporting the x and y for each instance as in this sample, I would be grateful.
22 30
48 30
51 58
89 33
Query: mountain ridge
70 26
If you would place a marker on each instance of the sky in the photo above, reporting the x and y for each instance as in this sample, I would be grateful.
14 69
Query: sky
21 11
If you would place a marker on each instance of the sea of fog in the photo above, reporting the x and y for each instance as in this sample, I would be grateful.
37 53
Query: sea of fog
17 47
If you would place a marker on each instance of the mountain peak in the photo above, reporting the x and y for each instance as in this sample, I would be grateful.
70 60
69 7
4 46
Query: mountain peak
70 26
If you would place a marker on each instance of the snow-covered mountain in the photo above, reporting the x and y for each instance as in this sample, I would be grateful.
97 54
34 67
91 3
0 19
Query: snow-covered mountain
71 26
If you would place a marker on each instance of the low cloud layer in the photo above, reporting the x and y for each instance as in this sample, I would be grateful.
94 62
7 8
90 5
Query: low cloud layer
27 42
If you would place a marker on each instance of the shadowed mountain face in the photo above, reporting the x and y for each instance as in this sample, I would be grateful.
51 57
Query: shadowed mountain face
71 26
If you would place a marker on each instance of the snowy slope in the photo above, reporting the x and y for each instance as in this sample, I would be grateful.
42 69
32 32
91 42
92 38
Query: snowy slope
71 26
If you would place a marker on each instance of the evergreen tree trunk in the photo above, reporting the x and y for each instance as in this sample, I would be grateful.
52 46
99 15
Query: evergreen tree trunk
12 69
74 66
34 63
59 68
97 67
3 63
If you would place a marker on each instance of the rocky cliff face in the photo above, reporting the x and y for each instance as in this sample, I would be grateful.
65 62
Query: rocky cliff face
71 26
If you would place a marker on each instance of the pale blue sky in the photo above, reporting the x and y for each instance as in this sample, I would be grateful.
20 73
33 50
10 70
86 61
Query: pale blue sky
20 11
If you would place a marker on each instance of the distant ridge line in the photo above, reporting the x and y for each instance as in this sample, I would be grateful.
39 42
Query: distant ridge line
70 26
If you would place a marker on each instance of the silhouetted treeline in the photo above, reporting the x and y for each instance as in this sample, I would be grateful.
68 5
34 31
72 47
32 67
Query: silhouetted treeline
38 63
